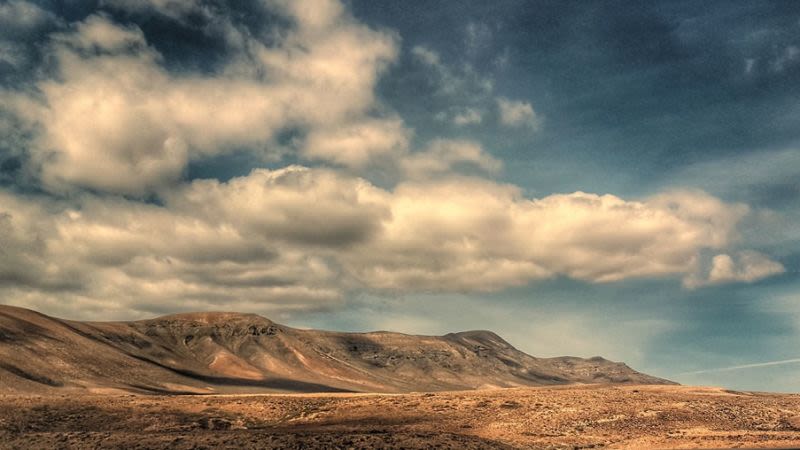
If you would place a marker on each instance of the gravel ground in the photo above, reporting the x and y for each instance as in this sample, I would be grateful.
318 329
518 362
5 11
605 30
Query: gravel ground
564 417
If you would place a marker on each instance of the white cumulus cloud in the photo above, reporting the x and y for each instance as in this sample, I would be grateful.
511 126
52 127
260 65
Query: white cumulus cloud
300 238
114 119
742 267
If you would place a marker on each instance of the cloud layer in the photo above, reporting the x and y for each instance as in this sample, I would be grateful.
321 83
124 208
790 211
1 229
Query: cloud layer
111 122
307 238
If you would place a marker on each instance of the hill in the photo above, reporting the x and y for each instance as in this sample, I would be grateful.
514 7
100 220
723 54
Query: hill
220 352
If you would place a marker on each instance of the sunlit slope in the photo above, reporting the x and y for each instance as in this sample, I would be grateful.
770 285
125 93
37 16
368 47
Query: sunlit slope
230 352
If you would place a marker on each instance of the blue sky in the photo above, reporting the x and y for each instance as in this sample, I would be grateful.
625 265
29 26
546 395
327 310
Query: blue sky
589 178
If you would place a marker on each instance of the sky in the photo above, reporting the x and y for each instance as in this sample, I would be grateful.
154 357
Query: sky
583 178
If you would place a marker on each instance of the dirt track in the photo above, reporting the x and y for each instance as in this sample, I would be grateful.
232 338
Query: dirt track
565 417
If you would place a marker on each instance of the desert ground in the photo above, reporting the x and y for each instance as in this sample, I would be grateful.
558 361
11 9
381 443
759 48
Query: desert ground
597 416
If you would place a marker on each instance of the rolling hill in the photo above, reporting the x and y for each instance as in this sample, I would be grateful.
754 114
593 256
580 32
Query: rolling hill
219 352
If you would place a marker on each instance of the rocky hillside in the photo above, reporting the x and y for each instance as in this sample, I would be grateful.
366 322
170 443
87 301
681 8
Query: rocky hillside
230 352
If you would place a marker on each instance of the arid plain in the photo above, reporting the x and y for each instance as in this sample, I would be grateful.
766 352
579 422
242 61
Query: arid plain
227 380
552 417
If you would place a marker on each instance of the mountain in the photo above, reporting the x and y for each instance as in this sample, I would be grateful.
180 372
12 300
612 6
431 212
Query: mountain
220 352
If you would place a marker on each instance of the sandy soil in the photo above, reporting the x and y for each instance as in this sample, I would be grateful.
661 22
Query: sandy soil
563 417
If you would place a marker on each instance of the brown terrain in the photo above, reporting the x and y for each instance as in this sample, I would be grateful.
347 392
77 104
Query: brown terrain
223 380
573 417
206 353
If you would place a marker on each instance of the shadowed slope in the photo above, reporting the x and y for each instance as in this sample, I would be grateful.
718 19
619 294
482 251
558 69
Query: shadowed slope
230 352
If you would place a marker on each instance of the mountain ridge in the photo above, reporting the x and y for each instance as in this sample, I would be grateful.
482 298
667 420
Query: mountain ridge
227 352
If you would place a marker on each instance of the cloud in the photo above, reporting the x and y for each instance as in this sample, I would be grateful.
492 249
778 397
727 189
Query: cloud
444 156
110 119
764 179
469 92
744 366
449 81
24 260
264 243
113 118
515 113
356 144
296 205
751 266
301 238
461 116
112 254
439 241
469 116
426 55
786 58
743 267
